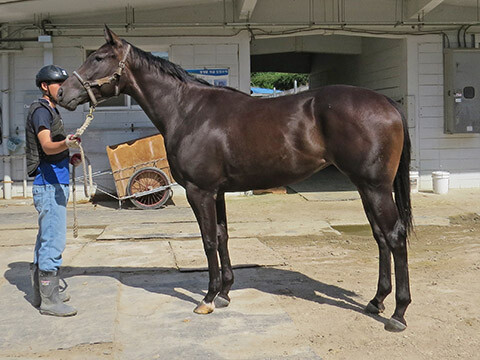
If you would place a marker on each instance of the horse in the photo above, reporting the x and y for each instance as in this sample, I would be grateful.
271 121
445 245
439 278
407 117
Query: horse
219 139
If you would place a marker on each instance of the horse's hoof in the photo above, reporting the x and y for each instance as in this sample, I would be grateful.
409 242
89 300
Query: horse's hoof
204 308
372 309
394 325
221 302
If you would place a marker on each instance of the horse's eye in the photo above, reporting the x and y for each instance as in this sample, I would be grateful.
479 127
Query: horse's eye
98 58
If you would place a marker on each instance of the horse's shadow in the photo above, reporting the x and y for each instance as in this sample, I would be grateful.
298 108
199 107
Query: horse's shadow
276 281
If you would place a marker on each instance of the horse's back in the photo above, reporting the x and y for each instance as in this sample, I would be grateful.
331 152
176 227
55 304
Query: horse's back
243 142
358 130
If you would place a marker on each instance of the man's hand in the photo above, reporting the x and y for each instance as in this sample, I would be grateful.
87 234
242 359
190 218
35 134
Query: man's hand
76 160
73 142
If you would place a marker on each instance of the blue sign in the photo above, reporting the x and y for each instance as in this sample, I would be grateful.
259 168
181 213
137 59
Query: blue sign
217 77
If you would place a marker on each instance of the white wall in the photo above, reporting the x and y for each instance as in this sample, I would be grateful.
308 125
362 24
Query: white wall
114 126
379 66
456 153
382 67
412 71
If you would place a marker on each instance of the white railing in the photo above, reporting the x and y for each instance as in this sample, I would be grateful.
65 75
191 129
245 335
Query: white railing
296 89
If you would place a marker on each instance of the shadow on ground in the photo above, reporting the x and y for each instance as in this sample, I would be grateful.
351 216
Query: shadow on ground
276 281
327 180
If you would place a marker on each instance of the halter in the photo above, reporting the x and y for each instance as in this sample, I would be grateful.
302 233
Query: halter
87 85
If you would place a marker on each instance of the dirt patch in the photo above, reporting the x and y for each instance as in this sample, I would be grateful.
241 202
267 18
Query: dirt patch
100 351
330 277
443 319
471 219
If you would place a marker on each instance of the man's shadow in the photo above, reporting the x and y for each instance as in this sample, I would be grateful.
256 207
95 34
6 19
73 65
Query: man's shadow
276 281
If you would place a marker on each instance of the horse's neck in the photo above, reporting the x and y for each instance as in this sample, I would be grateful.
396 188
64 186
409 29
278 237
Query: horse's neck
160 98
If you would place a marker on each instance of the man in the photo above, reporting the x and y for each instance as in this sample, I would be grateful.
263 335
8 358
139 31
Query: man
47 151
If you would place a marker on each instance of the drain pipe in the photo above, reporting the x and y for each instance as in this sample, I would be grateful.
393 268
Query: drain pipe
7 179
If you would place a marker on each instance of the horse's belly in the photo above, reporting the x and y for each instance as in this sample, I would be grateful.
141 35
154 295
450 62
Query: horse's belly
264 176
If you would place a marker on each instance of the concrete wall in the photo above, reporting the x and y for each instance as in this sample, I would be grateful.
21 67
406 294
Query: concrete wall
116 125
380 66
456 153
411 71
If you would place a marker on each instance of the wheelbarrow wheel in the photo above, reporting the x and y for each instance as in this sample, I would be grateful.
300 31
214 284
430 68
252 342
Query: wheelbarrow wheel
147 179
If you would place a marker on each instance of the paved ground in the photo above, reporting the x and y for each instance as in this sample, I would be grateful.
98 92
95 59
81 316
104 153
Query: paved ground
135 277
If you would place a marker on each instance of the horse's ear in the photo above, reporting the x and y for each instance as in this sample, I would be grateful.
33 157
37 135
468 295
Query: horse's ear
110 37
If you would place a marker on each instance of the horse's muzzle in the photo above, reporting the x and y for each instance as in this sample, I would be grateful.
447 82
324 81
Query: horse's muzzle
63 102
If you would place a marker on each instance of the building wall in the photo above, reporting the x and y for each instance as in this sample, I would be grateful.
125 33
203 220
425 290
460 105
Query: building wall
410 71
455 153
113 126
381 66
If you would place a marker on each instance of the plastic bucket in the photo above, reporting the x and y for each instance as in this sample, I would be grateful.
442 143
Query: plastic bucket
414 179
440 182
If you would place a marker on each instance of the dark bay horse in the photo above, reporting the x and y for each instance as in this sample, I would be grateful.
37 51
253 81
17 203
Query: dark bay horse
219 139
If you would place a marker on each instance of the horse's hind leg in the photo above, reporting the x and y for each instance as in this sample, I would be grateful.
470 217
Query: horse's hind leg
203 204
384 215
384 286
223 300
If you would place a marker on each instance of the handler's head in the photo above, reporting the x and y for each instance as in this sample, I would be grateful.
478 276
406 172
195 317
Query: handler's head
50 75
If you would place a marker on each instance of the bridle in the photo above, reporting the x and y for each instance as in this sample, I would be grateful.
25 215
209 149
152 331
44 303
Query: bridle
115 77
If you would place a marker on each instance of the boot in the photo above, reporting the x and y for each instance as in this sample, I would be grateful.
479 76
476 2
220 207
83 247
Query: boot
51 304
36 291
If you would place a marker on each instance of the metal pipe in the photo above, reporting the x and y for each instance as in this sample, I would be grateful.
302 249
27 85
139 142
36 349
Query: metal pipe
7 180
239 26
259 24
25 175
19 39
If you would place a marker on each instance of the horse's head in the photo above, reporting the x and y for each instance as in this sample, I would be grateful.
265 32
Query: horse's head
99 77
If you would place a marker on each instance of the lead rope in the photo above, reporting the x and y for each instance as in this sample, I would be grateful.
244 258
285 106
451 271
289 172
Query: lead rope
75 220
78 133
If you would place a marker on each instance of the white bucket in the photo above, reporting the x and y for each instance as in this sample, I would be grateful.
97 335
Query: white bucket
440 182
414 181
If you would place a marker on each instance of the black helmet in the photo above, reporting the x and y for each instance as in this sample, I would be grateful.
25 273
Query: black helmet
51 74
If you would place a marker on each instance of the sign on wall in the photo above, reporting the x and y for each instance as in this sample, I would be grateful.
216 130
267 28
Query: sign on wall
217 77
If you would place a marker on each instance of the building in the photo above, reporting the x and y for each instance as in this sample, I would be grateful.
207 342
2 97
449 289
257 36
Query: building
396 47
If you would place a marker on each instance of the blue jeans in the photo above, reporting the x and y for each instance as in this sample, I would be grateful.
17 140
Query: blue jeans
51 204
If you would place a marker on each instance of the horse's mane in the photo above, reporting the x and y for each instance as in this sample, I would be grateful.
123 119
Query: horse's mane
147 60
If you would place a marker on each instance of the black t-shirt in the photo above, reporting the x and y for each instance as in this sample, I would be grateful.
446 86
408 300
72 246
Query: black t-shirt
42 117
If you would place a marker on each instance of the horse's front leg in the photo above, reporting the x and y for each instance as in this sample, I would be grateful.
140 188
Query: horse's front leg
223 300
203 204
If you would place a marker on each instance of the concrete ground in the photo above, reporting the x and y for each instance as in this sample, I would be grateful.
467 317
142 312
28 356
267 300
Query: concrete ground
136 275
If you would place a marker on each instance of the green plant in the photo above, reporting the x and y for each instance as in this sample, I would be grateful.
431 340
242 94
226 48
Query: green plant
280 81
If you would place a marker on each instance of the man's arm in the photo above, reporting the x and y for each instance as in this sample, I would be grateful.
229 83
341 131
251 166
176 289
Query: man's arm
50 147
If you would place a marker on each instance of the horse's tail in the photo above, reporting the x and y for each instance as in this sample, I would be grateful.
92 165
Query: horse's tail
401 184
